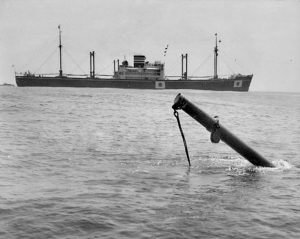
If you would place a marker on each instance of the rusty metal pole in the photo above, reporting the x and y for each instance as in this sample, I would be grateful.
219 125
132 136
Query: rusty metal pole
224 134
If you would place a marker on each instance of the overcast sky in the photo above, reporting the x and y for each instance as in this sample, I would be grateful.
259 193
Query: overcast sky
260 37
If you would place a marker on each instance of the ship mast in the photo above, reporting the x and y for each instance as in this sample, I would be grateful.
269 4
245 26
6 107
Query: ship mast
216 58
60 60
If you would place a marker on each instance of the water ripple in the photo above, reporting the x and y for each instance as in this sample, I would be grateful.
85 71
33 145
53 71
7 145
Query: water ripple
109 163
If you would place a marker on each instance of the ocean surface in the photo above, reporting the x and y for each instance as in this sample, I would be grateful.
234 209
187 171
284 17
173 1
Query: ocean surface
110 163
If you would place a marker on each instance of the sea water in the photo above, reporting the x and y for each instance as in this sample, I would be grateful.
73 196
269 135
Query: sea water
110 163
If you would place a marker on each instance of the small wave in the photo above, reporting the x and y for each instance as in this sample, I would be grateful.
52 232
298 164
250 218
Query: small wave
223 161
280 165
5 211
87 96
89 224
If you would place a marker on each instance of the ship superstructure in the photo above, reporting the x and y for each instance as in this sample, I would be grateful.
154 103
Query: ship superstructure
141 69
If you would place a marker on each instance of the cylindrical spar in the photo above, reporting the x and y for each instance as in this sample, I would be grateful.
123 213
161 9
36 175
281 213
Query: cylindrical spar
225 135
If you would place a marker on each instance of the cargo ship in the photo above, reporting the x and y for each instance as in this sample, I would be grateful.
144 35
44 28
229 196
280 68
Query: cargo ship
140 75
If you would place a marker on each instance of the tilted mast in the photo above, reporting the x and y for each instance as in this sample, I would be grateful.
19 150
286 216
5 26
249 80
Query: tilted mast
60 60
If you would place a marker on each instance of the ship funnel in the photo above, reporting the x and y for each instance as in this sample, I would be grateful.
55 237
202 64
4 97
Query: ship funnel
139 61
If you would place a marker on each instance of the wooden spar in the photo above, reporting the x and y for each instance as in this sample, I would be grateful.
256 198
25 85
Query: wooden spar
220 132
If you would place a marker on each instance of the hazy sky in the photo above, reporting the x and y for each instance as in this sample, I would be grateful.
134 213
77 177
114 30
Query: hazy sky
260 37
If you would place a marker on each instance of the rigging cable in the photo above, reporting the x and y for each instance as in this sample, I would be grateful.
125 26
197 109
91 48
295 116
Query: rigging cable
203 62
48 58
81 62
73 60
226 64
105 67
235 61
45 45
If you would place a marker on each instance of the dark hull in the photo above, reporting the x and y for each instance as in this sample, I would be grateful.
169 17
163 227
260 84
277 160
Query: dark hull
241 83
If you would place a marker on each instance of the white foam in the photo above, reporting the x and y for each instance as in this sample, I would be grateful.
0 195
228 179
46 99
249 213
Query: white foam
239 167
282 164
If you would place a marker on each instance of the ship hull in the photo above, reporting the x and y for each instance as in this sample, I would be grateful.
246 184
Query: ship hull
240 83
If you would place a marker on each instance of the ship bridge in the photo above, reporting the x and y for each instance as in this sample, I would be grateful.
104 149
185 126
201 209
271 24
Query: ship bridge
141 69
